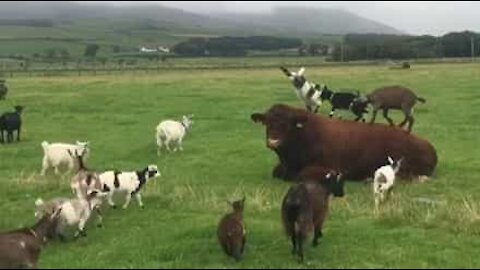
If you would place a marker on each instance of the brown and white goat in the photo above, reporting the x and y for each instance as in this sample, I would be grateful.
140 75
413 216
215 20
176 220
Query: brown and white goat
21 248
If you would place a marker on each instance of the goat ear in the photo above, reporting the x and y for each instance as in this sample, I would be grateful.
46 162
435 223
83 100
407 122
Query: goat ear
56 213
39 202
390 160
258 117
301 71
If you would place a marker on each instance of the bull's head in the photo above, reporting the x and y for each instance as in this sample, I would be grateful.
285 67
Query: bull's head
282 123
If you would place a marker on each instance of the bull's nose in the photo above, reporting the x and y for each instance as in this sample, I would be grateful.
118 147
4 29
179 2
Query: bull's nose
273 143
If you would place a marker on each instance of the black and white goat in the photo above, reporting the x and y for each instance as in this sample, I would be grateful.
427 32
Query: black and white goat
344 101
305 90
10 122
129 182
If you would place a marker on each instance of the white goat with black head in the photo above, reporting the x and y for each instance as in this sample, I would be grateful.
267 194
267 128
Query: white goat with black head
129 183
384 179
306 91
169 131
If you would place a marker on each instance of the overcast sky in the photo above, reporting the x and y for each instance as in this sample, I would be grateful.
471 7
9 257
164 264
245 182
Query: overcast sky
414 17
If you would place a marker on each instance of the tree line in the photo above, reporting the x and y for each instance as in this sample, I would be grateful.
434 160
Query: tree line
375 46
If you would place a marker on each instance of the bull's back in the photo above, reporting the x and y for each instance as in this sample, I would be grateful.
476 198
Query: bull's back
359 149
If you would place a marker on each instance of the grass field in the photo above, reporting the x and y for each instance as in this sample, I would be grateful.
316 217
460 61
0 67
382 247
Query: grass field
225 157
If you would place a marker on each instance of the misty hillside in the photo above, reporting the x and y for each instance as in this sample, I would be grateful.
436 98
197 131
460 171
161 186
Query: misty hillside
283 21
70 25
301 21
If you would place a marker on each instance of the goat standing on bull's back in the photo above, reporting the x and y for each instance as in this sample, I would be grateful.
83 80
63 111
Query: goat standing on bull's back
394 97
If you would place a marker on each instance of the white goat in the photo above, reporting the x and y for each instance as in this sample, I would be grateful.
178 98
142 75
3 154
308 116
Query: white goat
172 131
57 154
75 212
384 179
128 182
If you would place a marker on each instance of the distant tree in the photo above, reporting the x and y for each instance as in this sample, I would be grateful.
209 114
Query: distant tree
103 61
91 50
51 53
116 49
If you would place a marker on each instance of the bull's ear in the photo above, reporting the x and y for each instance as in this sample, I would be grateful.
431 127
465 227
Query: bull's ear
299 121
258 117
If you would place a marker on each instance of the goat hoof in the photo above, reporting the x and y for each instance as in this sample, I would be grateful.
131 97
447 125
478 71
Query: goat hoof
113 206
100 225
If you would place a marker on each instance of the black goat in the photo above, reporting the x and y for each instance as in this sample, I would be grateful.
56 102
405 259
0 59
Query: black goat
10 122
344 101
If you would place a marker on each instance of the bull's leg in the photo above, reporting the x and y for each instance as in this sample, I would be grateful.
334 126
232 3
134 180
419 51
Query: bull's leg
385 115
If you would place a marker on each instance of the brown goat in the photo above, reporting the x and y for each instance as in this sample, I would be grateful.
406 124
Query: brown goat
21 248
305 207
231 231
394 97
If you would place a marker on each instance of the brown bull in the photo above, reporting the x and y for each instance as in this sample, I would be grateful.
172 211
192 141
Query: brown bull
303 140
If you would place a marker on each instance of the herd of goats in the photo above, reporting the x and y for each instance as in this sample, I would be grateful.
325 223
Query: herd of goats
304 207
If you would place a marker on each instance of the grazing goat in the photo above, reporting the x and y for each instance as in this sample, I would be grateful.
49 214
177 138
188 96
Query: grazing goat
3 89
57 154
129 182
231 231
305 208
344 101
384 179
172 131
22 248
75 212
10 122
308 92
394 97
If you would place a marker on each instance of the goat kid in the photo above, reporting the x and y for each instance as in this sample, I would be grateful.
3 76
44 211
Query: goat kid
384 179
305 207
130 183
231 231
9 123
170 131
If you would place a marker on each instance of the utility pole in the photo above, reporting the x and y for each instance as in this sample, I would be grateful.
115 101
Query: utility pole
472 47
341 51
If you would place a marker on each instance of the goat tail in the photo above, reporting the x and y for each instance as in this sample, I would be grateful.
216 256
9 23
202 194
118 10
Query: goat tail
422 100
